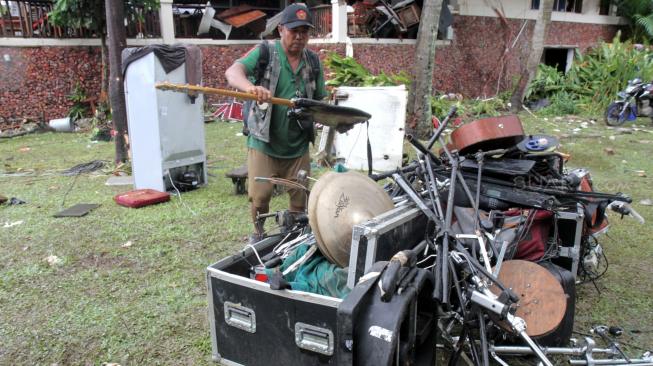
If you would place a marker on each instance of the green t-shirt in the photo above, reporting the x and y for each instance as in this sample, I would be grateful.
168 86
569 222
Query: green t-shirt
287 140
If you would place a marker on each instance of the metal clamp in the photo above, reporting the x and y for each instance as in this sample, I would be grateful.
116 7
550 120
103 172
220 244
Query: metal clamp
312 338
240 317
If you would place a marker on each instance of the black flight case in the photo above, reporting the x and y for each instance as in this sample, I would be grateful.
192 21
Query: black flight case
252 324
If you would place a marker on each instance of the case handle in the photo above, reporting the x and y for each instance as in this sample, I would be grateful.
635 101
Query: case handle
312 338
240 317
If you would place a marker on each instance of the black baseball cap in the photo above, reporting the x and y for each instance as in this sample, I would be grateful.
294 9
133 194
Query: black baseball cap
296 15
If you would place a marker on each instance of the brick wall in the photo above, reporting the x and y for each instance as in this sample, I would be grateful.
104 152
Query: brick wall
474 61
35 81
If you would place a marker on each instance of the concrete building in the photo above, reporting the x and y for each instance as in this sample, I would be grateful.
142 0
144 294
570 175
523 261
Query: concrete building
479 55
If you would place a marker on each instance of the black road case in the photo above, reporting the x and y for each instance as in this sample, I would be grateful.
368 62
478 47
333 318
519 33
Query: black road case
252 324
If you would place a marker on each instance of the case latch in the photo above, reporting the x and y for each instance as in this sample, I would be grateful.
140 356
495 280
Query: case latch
312 338
240 317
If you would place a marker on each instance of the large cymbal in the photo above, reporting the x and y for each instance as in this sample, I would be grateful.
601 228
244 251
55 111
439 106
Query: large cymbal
337 202
329 114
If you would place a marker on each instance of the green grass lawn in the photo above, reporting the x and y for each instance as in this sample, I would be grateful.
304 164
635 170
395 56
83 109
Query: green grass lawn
145 303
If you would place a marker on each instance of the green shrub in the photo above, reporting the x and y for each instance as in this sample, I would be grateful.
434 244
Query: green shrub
548 81
594 78
562 103
441 106
79 108
471 108
347 71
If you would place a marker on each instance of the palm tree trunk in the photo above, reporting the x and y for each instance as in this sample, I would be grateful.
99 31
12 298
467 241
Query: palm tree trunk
419 98
537 48
104 83
117 40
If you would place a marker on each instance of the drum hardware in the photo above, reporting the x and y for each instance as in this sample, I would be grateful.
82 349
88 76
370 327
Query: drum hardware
602 331
461 280
587 352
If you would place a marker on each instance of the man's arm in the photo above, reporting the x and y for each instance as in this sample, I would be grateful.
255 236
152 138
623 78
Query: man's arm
236 76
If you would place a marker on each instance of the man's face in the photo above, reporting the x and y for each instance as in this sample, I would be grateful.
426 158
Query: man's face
294 40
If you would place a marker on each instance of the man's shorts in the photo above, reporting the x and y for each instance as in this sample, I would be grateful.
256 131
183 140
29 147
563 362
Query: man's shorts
262 165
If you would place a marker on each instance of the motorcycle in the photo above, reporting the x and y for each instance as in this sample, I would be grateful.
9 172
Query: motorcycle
633 101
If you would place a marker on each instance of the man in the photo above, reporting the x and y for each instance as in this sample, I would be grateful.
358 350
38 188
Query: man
278 144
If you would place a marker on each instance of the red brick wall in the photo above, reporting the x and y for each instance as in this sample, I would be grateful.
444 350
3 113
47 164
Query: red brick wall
37 80
472 62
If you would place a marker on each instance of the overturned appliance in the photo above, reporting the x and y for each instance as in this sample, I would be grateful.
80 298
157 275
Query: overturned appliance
478 261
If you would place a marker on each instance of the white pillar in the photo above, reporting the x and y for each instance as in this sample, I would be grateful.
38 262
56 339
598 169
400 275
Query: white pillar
338 20
167 23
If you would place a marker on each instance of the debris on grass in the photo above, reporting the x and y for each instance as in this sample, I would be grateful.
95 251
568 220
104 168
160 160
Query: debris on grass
646 202
53 260
127 244
15 223
24 149
640 173
84 168
77 210
16 201
609 151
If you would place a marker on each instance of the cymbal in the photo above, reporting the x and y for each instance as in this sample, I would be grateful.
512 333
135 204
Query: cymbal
337 202
542 301
329 114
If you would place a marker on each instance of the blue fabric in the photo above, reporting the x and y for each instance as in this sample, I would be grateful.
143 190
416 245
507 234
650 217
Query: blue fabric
317 275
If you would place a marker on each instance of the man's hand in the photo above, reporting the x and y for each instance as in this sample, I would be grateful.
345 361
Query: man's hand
262 95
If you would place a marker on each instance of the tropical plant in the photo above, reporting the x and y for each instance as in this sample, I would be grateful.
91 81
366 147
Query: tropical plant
640 16
78 97
548 80
347 71
470 108
594 78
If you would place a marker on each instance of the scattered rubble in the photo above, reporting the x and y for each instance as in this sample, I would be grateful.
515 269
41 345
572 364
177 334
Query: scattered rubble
53 260
15 223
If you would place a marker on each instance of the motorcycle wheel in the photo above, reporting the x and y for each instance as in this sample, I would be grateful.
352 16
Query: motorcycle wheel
612 114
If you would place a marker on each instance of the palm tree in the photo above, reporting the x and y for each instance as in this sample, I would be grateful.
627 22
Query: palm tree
640 15
535 55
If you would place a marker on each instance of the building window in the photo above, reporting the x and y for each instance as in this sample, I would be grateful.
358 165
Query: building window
570 6
604 7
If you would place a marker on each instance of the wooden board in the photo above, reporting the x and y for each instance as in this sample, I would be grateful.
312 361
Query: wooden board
245 18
